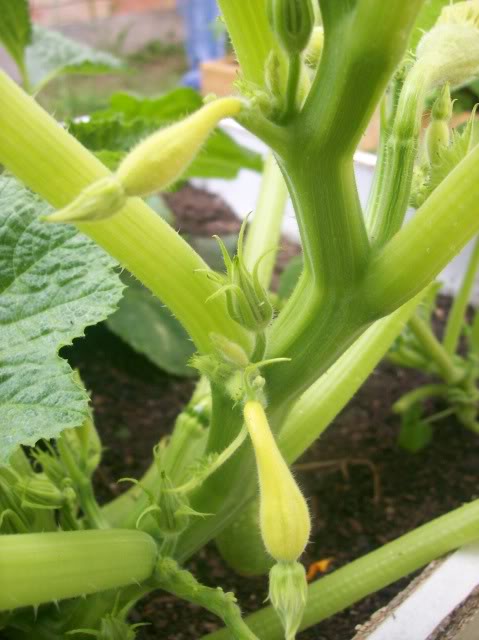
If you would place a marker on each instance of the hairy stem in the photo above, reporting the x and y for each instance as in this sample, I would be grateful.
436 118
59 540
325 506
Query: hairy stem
321 403
57 167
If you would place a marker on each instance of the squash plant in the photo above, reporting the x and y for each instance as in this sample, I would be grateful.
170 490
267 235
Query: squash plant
270 382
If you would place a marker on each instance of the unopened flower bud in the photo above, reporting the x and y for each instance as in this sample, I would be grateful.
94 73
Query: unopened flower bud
172 514
40 493
292 22
163 157
288 592
247 300
284 518
229 352
450 49
438 133
151 166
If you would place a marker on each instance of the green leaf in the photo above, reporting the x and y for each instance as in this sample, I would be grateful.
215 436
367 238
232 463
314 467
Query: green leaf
51 54
146 325
129 119
415 433
54 282
290 277
15 28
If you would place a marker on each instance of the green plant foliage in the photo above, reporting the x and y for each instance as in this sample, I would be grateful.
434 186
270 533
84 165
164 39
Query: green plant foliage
54 282
51 54
129 119
15 28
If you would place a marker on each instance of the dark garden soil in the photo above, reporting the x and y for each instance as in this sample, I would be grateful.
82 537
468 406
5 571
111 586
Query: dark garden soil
363 490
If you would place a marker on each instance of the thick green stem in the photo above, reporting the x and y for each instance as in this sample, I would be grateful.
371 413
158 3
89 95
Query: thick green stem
423 247
456 318
434 350
41 567
321 403
335 248
323 190
325 332
223 493
56 166
374 571
355 67
264 232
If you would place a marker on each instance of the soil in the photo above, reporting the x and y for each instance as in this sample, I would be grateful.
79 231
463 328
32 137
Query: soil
367 494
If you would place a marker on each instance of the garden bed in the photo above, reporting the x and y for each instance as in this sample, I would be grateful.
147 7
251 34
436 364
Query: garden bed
362 489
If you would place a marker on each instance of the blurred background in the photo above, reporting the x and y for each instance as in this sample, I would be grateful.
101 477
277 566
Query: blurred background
162 43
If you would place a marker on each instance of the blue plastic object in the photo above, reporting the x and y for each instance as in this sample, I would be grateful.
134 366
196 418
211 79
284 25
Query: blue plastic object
203 40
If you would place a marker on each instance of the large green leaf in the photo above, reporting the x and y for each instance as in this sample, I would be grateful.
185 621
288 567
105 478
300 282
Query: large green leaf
54 282
146 325
15 28
129 119
51 54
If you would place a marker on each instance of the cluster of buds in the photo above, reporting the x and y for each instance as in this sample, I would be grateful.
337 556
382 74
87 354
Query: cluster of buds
168 512
292 22
153 165
247 300
445 148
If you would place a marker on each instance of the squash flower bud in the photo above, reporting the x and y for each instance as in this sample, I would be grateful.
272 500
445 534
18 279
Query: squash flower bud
151 166
292 21
284 517
450 50
163 157
247 300
438 134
